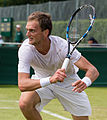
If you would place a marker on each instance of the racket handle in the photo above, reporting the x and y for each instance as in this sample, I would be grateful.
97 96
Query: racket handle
65 63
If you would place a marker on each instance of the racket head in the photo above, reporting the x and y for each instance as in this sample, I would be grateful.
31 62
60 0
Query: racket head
84 16
80 24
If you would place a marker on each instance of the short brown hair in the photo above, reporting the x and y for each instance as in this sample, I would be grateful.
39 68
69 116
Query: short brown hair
44 20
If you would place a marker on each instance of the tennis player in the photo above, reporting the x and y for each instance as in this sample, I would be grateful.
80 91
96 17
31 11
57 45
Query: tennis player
45 54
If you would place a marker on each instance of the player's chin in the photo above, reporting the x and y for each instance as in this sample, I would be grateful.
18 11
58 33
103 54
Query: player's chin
31 41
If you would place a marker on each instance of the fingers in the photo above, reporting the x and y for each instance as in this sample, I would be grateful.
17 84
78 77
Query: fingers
79 86
58 76
62 70
61 73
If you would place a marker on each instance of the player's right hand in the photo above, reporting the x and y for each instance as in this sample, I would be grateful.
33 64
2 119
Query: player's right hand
58 76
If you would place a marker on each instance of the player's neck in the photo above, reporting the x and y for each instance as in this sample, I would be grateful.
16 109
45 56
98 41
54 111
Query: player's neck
44 47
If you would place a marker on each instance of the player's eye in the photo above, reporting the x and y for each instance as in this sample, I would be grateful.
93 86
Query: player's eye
32 30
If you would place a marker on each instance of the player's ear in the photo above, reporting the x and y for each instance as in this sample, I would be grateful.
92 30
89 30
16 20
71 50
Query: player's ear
46 32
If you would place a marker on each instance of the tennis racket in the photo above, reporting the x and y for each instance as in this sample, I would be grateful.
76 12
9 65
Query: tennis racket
84 16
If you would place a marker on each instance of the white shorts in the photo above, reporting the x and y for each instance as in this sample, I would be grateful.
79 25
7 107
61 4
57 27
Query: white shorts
75 103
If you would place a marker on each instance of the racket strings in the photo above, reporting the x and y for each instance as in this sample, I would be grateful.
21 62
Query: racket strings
80 23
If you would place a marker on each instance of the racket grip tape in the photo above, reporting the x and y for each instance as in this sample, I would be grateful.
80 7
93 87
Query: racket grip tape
65 63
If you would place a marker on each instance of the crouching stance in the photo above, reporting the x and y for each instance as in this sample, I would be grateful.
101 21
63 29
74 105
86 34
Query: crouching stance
45 53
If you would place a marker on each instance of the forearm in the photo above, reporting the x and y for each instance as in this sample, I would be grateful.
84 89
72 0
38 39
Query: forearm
28 84
86 66
90 76
92 73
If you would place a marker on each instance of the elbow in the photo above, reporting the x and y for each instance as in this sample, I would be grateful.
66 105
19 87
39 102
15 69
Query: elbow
96 73
21 87
23 82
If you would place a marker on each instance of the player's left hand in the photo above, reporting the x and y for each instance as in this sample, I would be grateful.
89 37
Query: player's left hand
79 86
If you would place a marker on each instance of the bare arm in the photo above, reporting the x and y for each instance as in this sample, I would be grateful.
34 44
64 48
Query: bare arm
27 84
91 72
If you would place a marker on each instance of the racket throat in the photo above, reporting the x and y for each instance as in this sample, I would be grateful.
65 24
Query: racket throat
68 56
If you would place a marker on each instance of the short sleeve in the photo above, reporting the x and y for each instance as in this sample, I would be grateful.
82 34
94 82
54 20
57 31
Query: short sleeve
75 56
25 58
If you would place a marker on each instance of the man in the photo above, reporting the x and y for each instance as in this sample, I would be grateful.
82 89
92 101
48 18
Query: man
92 41
19 34
45 54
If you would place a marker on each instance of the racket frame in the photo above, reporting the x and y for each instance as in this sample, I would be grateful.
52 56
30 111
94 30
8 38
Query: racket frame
76 43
